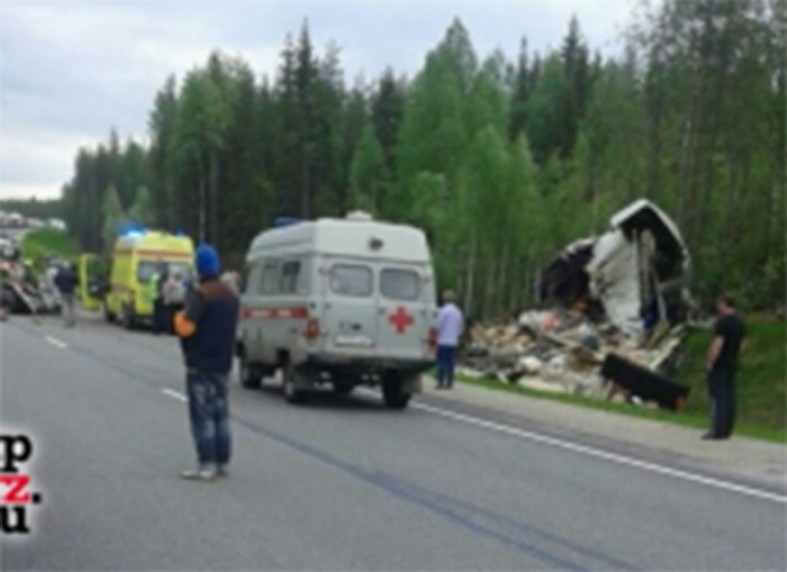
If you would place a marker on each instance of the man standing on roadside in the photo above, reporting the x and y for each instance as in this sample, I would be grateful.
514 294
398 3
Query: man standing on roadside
66 281
722 365
206 327
450 325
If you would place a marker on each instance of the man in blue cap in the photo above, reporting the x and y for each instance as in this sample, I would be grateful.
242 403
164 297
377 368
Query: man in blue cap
206 328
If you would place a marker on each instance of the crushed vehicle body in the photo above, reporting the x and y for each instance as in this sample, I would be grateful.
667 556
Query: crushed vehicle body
636 271
611 320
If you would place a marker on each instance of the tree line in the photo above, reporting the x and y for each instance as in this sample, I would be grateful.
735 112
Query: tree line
502 162
34 208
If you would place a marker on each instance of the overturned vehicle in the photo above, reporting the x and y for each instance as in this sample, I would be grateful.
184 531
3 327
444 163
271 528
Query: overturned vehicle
635 274
611 322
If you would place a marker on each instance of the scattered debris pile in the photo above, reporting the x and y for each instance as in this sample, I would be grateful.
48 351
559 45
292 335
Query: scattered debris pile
615 323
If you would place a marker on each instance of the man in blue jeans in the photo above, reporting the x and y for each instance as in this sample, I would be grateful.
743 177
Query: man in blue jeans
206 327
450 325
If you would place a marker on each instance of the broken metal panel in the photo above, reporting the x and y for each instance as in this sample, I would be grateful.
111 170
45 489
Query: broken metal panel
614 279
565 280
674 259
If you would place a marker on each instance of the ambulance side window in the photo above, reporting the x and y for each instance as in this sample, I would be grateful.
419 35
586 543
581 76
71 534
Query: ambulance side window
351 280
303 279
398 284
252 280
290 272
271 272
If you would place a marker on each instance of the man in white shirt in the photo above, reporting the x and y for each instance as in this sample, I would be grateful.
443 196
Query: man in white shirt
450 325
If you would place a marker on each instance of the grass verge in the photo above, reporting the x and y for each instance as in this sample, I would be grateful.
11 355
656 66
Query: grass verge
38 244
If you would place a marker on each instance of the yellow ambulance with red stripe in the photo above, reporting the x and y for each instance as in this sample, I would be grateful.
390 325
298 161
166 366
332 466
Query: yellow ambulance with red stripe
340 302
138 255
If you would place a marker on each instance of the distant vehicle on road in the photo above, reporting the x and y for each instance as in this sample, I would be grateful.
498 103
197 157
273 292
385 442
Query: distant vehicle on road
136 257
56 224
340 301
14 220
8 247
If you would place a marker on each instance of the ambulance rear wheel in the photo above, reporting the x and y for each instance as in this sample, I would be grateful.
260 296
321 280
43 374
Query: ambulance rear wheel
108 316
394 395
343 388
292 393
250 377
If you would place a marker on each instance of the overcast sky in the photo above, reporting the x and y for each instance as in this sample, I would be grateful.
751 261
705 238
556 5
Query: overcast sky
69 71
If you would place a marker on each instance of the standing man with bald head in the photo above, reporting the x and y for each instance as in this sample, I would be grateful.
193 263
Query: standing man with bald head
450 325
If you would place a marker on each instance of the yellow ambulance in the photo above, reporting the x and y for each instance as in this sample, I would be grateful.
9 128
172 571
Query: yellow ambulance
137 256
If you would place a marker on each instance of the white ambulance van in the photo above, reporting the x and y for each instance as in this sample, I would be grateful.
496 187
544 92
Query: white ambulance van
344 302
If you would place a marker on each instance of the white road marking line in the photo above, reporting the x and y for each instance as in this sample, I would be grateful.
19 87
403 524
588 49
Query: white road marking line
55 342
601 454
173 393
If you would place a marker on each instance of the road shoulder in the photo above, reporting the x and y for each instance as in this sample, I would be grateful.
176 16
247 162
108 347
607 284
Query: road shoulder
753 460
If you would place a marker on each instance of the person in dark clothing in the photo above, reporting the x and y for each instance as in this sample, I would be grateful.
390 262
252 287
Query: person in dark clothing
722 365
206 327
66 282
156 287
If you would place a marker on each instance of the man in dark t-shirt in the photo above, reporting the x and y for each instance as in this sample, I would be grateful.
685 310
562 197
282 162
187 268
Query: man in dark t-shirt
722 365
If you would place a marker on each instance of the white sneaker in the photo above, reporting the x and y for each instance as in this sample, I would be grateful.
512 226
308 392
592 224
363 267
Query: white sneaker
205 475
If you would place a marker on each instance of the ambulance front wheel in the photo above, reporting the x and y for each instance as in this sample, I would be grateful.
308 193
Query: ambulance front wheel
394 395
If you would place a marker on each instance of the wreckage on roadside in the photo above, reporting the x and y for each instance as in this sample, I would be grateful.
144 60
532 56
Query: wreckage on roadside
637 271
614 319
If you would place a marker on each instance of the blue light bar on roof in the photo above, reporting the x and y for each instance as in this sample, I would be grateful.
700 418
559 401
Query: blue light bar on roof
131 230
284 221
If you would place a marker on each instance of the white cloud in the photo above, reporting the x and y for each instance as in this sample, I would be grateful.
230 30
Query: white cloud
72 69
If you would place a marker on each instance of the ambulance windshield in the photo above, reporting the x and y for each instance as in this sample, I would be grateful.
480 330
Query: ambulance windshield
146 269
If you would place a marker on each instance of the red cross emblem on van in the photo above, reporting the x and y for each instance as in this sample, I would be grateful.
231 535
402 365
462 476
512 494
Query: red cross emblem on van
400 320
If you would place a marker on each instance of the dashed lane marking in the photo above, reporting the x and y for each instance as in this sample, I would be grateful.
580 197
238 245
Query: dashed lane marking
174 394
57 343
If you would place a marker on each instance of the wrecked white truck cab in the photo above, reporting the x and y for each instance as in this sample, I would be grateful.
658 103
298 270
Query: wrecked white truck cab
637 270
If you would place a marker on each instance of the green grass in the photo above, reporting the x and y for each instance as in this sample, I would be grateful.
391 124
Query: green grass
37 244
761 386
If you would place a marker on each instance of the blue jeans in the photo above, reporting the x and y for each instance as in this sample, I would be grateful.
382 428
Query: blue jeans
445 365
210 417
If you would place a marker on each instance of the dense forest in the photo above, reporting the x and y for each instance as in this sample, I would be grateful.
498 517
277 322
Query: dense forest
502 161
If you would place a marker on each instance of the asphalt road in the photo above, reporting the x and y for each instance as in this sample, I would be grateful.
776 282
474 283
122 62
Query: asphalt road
340 484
